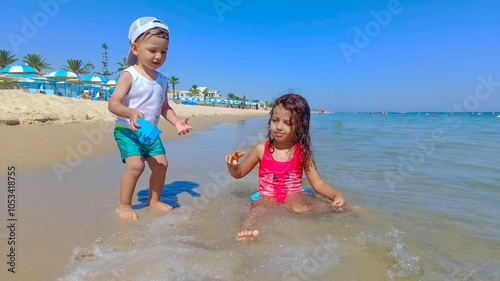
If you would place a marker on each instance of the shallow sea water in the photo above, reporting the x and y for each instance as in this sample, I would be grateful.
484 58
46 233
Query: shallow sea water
429 184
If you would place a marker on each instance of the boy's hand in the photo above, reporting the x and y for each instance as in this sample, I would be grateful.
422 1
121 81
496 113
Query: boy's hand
183 127
133 117
232 159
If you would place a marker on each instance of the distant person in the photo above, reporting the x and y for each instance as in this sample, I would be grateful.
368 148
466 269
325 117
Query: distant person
141 91
283 158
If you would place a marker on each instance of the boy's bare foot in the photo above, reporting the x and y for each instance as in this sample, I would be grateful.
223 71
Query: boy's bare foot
160 206
126 212
247 235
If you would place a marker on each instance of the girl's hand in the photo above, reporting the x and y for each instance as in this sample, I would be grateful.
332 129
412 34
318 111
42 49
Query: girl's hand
338 202
232 159
133 117
183 127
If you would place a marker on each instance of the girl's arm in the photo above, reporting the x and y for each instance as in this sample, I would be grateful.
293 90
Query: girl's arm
237 170
322 187
115 104
169 114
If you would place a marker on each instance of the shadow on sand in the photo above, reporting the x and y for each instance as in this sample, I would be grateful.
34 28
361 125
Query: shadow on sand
169 194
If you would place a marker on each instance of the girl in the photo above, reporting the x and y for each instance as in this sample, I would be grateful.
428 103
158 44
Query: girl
283 158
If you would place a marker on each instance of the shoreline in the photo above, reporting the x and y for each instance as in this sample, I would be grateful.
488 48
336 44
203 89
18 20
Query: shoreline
19 108
40 130
66 212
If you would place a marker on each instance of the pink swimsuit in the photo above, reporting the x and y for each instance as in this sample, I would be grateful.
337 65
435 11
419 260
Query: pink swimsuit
279 179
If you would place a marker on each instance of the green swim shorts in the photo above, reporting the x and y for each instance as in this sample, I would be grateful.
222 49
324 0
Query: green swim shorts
129 144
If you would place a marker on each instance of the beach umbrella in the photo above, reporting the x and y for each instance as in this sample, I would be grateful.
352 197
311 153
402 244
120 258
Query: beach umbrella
44 81
10 79
111 83
28 81
62 75
94 79
90 79
25 78
59 78
19 69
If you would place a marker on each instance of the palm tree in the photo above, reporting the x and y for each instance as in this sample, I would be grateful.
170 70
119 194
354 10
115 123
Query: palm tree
174 80
205 94
76 66
232 96
89 67
123 65
194 91
36 61
6 58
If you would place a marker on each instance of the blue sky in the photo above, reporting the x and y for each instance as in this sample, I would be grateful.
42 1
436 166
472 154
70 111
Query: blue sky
405 55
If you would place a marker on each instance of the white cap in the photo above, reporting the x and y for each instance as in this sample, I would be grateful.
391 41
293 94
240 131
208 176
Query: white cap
138 27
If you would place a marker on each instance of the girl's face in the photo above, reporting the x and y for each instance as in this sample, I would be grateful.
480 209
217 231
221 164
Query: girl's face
282 129
151 52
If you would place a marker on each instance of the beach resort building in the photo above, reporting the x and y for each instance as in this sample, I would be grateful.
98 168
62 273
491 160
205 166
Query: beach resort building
183 94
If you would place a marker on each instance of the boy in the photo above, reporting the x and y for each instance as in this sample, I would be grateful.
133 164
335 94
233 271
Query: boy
141 91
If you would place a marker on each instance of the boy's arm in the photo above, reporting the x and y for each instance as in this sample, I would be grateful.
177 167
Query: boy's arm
169 114
238 170
323 188
115 104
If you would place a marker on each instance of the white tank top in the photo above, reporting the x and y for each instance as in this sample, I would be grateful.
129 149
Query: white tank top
146 96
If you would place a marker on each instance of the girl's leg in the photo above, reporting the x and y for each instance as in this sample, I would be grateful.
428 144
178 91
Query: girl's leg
296 203
257 209
134 168
158 165
302 203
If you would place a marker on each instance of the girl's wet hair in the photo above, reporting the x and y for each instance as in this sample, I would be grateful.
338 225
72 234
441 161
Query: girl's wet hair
157 31
300 119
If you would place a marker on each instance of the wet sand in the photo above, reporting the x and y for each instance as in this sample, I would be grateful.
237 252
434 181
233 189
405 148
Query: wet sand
67 178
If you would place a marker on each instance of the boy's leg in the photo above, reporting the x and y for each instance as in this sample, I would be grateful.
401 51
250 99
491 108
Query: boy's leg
134 168
158 165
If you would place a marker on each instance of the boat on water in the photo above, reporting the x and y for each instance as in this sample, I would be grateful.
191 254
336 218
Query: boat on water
320 111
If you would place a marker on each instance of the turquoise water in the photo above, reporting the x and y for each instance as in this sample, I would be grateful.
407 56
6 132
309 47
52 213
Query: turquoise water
429 184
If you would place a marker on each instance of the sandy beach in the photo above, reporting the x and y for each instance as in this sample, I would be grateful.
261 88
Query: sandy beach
62 199
39 129
66 188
